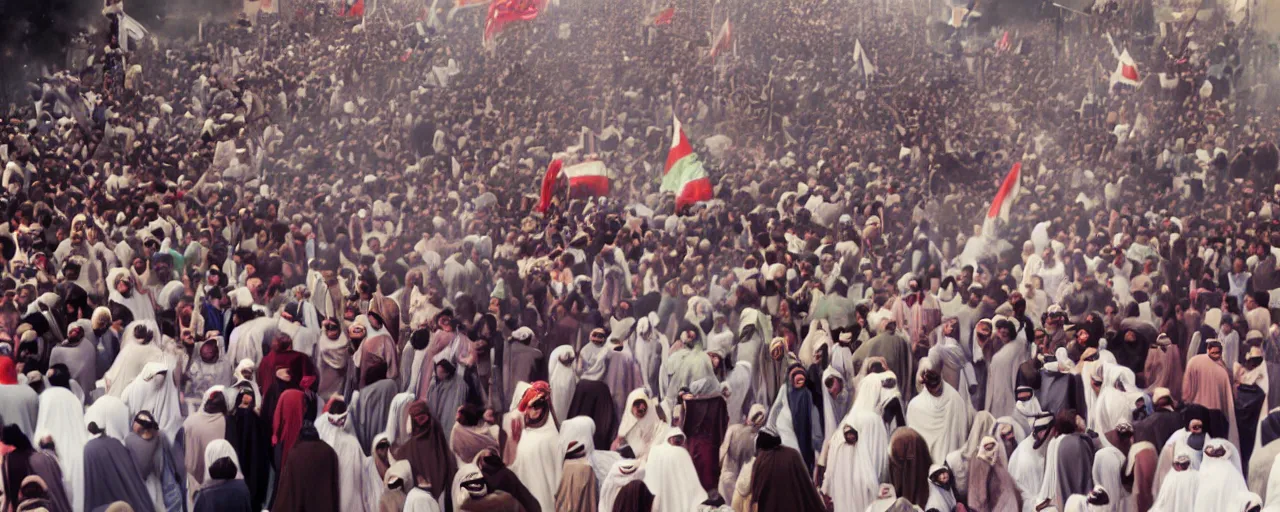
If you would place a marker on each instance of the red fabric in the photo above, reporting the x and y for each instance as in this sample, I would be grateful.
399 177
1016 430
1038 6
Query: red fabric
549 185
8 371
503 12
540 388
665 16
588 179
1130 72
288 421
355 10
693 192
680 146
298 364
1007 192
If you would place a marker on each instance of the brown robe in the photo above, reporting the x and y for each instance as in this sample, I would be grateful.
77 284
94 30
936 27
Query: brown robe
909 463
578 490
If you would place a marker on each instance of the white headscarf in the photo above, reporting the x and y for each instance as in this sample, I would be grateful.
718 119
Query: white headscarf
154 391
943 421
62 418
1226 483
853 471
834 407
671 477
1115 400
112 415
563 381
639 433
582 429
218 449
1108 468
1180 488
622 473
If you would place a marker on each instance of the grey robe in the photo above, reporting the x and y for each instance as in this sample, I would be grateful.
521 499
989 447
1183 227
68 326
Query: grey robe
110 475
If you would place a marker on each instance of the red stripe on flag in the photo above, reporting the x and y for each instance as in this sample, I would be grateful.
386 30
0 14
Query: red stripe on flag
694 191
587 186
549 185
680 146
1010 183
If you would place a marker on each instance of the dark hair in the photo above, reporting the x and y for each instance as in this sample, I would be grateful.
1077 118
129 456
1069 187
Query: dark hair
222 469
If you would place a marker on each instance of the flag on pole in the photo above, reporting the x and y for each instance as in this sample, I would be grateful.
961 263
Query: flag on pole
724 38
352 8
1004 44
130 29
504 12
683 174
663 17
1126 71
587 179
861 60
1008 193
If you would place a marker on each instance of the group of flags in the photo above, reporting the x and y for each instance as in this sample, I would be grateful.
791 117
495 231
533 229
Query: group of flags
682 175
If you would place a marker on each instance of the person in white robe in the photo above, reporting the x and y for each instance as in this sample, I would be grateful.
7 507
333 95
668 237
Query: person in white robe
61 423
1108 469
420 500
1222 462
1181 486
1115 400
141 346
837 398
941 497
112 415
878 392
856 457
335 429
123 290
581 430
563 380
651 348
623 472
1027 463
640 428
155 392
538 461
673 480
940 414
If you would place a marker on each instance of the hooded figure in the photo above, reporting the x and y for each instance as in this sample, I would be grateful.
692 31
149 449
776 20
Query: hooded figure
208 368
538 463
122 290
62 419
641 428
1114 404
24 461
395 482
447 393
155 457
779 479
155 392
1208 383
309 477
1108 473
671 477
878 393
427 450
909 463
1181 486
563 380
334 428
738 449
856 456
939 414
224 488
837 399
623 472
141 346
111 475
579 486
795 419
706 417
333 360
78 354
959 459
471 435
1165 365
1222 461
651 349
940 496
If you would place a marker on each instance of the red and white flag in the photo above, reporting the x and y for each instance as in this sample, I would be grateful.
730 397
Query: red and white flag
587 179
1126 71
683 174
724 39
1004 44
1008 193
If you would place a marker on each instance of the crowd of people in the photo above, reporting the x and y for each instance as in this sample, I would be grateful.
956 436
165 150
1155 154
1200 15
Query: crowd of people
293 262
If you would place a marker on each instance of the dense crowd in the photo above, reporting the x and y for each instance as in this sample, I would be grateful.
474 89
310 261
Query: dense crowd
293 262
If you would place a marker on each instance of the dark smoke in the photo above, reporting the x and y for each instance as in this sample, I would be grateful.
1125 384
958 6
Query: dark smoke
36 33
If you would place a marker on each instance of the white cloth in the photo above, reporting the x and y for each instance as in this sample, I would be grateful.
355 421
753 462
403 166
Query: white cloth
419 500
62 419
1179 490
1026 466
853 471
640 433
622 473
537 463
943 421
155 392
133 357
1115 401
1226 483
112 415
217 449
582 429
1108 468
671 477
337 431
563 381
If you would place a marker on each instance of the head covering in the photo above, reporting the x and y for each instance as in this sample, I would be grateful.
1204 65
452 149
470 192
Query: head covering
671 477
